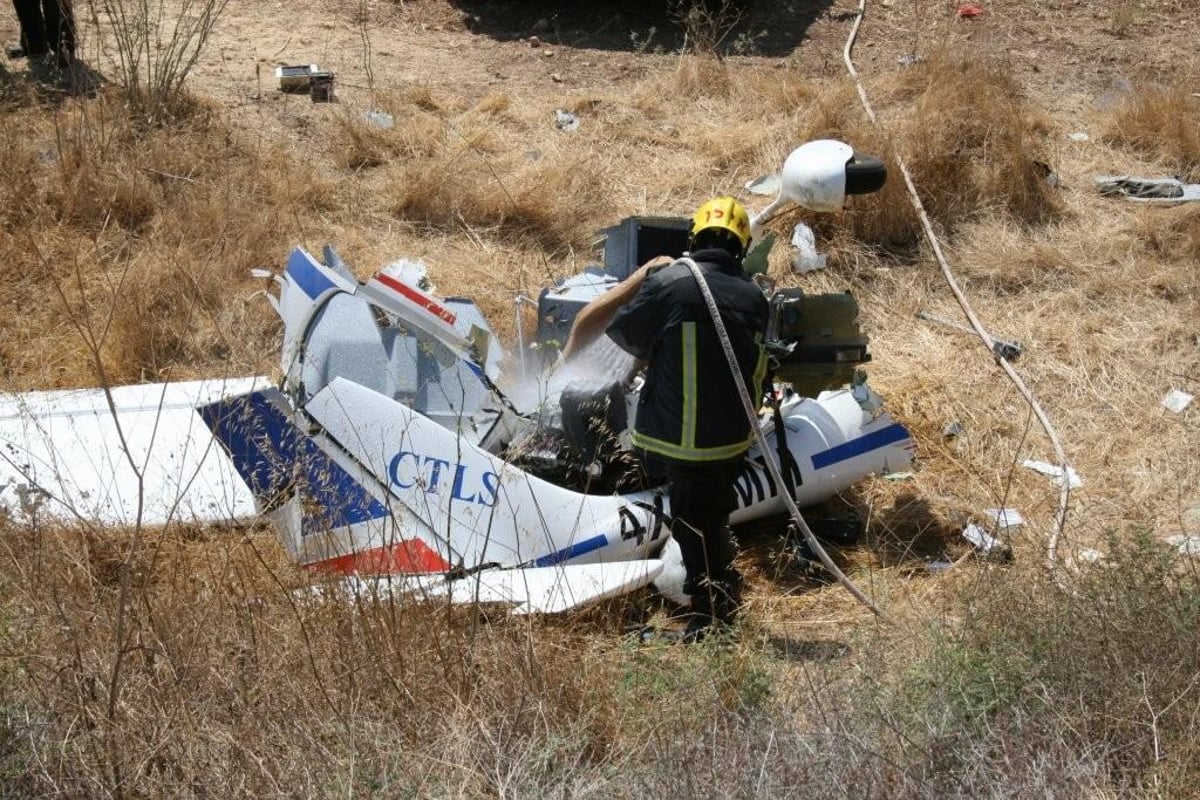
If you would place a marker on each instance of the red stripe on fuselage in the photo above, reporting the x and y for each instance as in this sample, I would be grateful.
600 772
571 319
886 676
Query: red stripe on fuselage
409 557
427 303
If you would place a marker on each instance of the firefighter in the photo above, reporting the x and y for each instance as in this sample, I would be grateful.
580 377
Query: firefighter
691 425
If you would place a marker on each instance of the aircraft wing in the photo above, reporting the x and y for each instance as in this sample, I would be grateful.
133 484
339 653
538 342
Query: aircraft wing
149 457
531 590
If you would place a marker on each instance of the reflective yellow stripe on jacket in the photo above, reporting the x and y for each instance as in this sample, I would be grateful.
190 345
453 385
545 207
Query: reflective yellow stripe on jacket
686 449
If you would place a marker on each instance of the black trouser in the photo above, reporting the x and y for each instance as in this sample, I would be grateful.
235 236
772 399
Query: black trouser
702 496
47 26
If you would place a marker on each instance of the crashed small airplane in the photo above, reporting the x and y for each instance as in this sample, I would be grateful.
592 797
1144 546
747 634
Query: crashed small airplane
390 454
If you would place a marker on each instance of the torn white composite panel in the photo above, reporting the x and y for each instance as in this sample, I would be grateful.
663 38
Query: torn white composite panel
149 457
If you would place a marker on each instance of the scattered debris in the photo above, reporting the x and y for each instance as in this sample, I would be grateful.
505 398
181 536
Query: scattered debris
937 567
320 86
1055 472
1089 555
1003 348
565 120
909 59
765 185
1186 545
1005 517
379 119
969 10
1078 136
1147 190
985 543
807 258
295 78
954 430
898 476
1177 400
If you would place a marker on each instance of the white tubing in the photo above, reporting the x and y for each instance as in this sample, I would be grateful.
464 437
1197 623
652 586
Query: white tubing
1064 495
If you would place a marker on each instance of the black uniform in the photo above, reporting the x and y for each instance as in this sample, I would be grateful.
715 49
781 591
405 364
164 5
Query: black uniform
691 424
47 26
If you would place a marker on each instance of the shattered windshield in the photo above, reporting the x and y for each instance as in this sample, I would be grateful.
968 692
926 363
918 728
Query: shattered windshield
354 340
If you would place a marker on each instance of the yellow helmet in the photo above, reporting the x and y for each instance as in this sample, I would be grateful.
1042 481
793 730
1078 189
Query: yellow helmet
723 213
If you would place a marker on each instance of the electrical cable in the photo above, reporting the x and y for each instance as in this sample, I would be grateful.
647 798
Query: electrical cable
769 457
1059 452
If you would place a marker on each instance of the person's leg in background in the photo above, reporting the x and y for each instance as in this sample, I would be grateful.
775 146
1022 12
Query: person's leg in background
60 29
33 27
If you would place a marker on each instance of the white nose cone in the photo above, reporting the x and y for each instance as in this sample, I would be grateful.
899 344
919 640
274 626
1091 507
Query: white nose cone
814 175
669 582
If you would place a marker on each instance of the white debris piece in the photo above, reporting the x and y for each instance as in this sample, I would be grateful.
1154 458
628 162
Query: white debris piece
807 258
406 270
1177 401
1006 517
1055 472
379 118
565 120
1187 545
982 540
1147 190
1089 555
765 185
1078 136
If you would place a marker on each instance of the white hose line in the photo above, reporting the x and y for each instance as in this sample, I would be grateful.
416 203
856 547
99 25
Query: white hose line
768 456
1064 496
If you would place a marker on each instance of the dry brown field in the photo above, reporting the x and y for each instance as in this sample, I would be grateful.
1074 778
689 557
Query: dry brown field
183 662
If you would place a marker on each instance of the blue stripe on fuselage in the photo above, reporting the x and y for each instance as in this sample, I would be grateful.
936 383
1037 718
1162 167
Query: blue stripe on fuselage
864 444
305 273
577 549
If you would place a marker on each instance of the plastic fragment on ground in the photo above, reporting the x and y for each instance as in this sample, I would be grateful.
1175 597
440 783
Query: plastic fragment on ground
898 476
807 259
954 430
1177 400
1005 517
1055 472
984 542
968 10
1078 136
1147 190
565 120
1186 545
379 119
1089 555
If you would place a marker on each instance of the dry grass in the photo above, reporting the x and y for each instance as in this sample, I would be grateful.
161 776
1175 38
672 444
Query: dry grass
1162 123
138 238
182 662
